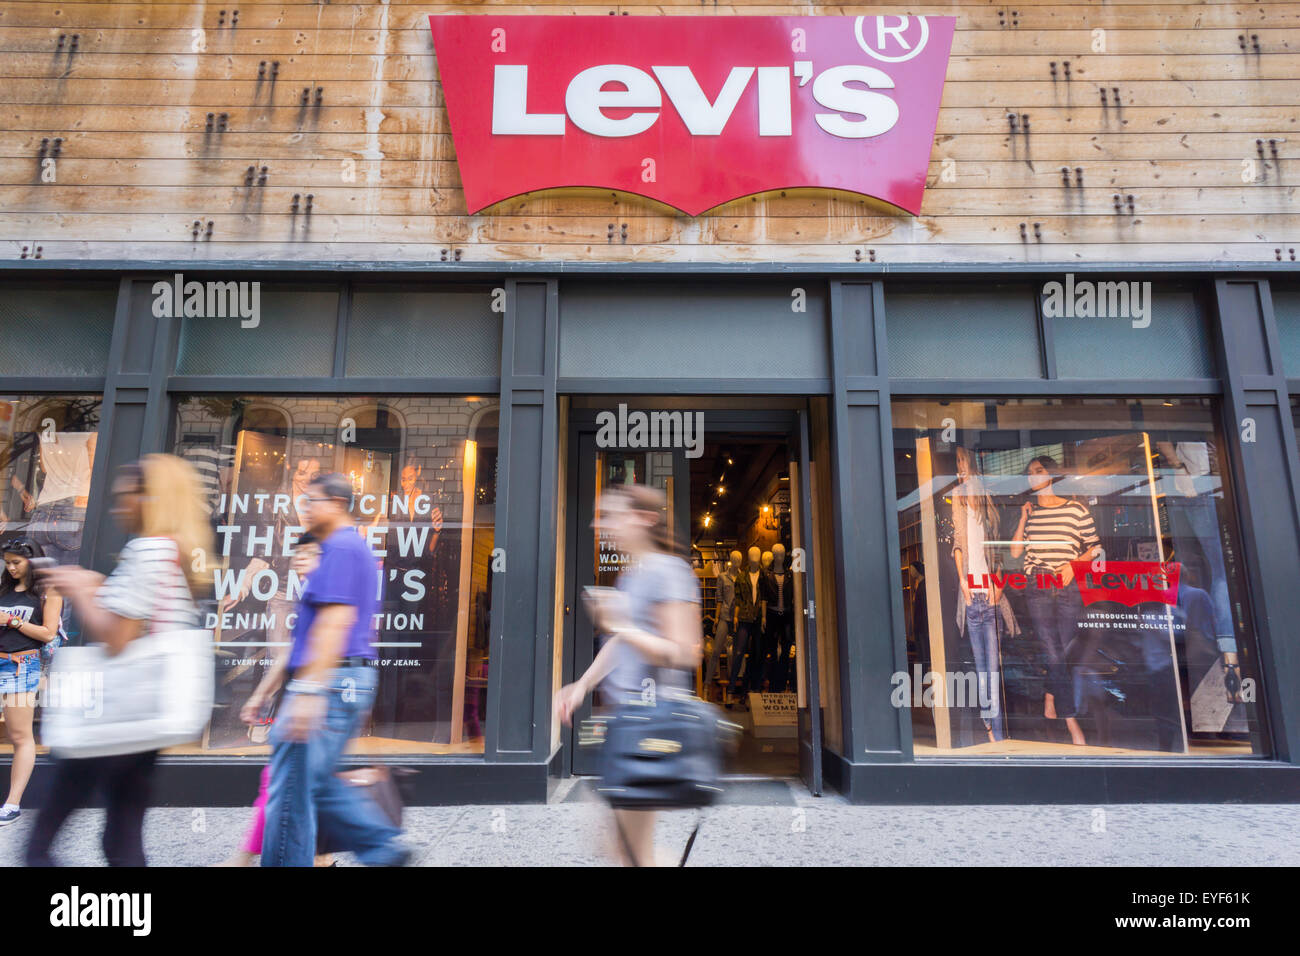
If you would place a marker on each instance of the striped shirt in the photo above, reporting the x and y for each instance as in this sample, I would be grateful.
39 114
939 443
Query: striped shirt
1056 535
208 461
149 585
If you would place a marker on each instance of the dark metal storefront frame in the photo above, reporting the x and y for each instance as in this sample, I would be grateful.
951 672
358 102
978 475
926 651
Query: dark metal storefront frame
877 763
784 424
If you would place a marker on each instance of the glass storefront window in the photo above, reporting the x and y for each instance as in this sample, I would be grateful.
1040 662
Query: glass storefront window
424 472
1072 579
47 454
47 451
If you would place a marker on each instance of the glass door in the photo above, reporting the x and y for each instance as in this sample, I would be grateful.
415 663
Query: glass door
598 561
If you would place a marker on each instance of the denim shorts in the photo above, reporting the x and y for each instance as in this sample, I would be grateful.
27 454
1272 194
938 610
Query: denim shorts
21 676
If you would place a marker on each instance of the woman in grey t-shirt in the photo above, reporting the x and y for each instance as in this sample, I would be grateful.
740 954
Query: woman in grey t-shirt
653 623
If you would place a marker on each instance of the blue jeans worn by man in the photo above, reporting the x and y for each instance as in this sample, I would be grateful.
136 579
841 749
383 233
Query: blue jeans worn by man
331 690
304 792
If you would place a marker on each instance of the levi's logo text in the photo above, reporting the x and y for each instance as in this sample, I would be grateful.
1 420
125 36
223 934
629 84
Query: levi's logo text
695 111
1125 582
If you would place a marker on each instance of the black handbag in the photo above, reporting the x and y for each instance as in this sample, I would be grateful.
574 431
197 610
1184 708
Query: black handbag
661 753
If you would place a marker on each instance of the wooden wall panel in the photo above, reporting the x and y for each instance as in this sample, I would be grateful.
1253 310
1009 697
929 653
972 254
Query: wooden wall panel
1204 140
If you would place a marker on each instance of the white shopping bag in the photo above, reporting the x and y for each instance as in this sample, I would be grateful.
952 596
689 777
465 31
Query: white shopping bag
156 693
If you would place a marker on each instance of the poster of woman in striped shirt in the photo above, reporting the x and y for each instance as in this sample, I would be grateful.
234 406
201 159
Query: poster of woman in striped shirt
1053 531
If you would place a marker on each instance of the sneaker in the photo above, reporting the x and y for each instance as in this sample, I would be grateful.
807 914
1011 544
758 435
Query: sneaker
9 816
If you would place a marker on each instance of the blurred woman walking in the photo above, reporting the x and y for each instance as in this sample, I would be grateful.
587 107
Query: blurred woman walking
652 620
151 591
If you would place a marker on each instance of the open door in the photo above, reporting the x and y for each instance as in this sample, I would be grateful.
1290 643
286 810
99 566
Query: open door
597 561
809 688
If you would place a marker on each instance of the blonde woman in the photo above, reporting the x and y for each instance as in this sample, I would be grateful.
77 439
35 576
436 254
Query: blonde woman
153 588
975 521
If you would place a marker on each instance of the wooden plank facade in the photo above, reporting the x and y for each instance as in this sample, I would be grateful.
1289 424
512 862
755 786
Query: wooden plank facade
1173 139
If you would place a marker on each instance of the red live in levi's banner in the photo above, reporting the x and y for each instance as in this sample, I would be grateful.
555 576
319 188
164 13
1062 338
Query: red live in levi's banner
1124 582
1127 582
693 111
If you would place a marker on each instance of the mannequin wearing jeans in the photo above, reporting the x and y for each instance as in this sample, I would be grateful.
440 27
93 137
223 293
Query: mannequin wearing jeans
1053 531
1193 511
726 611
779 596
749 613
974 521
760 647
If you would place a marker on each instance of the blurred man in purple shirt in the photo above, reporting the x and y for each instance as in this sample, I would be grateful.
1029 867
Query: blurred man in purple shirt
331 688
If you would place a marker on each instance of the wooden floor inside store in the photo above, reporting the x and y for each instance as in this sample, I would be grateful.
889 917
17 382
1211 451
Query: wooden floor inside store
1039 748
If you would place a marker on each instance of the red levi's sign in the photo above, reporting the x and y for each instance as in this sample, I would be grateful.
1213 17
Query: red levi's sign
1127 582
693 111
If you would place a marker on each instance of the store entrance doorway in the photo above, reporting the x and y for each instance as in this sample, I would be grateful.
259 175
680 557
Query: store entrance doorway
740 511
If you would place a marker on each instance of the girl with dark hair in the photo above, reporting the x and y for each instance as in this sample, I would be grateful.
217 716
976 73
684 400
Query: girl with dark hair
30 619
1054 531
653 622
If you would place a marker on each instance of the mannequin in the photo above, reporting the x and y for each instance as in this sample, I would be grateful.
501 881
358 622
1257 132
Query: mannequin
749 614
778 603
1192 513
726 612
59 511
761 646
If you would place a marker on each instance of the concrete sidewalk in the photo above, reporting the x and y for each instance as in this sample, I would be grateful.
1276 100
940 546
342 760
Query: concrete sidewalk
761 823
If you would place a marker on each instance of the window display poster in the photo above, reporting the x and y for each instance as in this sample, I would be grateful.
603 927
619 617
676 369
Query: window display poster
1069 590
425 509
47 454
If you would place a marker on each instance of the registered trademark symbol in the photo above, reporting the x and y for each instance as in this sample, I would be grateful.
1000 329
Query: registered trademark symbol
884 30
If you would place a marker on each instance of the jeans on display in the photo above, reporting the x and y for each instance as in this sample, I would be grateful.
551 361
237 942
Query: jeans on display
780 638
126 779
56 527
757 666
720 631
1162 689
982 630
1202 519
305 793
1054 614
739 644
